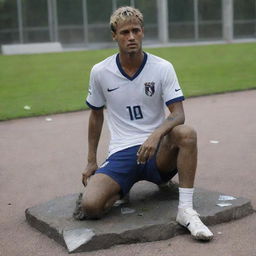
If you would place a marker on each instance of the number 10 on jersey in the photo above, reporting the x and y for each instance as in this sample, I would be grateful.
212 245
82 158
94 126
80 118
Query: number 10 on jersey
135 112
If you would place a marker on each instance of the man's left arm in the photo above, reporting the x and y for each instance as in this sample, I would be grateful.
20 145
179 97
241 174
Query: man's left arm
176 117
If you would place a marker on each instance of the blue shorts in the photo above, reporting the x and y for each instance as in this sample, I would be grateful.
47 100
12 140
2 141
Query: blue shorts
122 167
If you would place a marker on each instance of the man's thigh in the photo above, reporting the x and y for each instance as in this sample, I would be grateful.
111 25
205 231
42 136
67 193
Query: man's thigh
167 154
122 168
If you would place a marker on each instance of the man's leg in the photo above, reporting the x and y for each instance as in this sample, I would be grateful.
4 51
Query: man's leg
100 194
178 149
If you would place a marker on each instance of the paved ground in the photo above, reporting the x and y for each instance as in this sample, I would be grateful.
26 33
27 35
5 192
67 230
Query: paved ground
40 160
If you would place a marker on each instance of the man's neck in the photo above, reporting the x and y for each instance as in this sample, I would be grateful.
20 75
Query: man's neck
131 62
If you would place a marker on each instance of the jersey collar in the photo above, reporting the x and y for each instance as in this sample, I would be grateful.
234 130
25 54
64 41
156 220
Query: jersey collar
137 72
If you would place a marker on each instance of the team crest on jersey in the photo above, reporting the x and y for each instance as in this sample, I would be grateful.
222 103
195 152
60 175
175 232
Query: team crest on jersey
150 88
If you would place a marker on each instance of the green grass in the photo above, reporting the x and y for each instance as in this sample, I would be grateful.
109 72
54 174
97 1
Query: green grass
55 83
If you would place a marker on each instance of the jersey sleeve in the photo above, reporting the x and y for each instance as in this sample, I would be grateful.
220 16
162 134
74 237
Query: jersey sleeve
170 86
95 99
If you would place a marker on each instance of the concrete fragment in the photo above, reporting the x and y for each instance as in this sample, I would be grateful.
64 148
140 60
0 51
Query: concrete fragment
77 237
223 204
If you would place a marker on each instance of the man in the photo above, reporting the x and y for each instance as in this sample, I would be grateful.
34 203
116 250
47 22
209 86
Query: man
134 86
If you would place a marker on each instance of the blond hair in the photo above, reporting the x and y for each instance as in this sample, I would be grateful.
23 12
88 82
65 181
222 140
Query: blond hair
124 13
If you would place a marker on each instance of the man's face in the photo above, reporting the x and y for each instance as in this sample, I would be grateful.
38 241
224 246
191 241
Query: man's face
129 36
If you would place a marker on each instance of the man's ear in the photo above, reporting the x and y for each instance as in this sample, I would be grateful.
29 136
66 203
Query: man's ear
113 35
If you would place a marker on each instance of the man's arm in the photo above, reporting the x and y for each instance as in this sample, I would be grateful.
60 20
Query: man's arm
175 118
95 127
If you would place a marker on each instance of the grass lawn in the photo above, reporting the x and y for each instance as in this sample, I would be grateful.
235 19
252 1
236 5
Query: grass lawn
58 82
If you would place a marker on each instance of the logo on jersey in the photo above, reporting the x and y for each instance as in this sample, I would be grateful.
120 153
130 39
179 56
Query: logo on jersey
113 89
90 89
150 88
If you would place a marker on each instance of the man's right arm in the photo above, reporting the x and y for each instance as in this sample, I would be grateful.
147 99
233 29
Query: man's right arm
95 127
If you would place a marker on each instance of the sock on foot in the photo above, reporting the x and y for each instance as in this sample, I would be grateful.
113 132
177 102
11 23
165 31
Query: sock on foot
186 198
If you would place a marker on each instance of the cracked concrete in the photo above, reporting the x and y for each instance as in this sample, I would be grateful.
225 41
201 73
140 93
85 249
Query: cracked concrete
151 218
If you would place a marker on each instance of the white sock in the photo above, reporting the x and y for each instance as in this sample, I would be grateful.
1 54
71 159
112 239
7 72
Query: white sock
186 197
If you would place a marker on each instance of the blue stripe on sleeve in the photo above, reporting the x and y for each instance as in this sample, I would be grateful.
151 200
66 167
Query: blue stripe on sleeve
93 107
181 98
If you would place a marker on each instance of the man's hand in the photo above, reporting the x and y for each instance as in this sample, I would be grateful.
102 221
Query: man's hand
148 148
88 172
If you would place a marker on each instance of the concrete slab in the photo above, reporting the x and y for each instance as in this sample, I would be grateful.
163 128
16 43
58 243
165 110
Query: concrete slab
10 49
149 216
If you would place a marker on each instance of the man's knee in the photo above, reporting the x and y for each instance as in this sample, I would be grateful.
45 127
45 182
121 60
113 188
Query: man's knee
186 136
99 195
93 208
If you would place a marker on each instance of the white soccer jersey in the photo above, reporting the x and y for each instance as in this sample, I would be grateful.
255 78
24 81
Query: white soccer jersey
135 105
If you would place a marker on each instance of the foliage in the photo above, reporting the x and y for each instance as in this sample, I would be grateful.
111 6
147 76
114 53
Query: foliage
54 83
